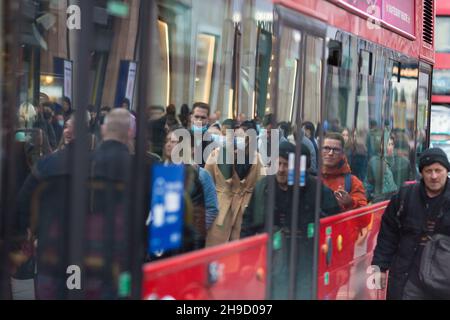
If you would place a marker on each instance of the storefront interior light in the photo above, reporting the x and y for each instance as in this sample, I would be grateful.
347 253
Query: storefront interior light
48 79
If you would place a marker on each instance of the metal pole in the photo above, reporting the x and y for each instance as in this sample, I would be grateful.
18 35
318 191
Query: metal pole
296 192
12 21
315 271
271 179
148 16
79 168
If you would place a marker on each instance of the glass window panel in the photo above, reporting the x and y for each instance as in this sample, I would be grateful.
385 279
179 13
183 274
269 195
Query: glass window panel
401 114
441 33
422 112
441 82
440 127
290 42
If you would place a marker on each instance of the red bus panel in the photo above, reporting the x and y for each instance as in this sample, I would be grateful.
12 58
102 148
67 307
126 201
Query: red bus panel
233 271
347 242
394 33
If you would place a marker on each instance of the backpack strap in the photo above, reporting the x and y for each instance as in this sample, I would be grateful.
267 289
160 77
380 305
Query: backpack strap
404 196
348 182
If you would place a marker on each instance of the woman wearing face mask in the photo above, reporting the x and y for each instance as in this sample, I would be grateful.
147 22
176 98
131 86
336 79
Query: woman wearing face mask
234 180
58 124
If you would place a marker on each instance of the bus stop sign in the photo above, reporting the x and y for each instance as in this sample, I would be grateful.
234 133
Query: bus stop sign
166 216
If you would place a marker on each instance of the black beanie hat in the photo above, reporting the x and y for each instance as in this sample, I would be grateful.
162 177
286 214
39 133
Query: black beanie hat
286 148
431 156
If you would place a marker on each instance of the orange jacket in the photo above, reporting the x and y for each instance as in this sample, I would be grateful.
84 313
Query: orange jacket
335 179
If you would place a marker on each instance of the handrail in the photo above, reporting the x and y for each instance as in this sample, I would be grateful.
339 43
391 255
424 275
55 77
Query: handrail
353 213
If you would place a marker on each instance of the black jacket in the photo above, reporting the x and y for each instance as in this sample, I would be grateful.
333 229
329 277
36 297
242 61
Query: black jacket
111 161
254 217
254 222
401 230
57 164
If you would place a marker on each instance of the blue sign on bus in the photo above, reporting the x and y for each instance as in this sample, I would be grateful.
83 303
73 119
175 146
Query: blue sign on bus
167 211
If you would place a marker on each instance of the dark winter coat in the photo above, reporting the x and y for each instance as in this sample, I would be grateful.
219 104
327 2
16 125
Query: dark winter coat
400 233
254 222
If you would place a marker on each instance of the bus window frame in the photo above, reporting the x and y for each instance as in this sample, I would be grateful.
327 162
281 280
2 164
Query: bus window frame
426 69
307 26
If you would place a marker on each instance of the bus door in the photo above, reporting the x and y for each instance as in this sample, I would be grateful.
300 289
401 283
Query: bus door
294 219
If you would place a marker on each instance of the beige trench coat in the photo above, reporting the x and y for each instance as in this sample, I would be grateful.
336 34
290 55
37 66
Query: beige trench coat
233 196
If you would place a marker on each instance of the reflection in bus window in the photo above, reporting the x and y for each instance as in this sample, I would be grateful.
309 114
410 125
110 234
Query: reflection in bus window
401 112
370 126
288 70
313 80
341 84
204 67
422 112
263 63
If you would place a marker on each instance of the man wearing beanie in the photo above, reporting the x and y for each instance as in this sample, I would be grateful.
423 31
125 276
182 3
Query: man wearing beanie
255 217
413 223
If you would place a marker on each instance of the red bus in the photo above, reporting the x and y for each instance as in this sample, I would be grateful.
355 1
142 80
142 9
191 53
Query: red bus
365 67
360 67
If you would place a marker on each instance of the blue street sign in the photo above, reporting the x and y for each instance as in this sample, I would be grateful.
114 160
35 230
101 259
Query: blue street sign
167 210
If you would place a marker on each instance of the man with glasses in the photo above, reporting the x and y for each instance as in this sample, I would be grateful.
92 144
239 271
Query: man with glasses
349 193
200 125
336 174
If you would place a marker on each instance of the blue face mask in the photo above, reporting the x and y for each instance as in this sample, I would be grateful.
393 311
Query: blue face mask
196 129
218 140
20 137
263 132
61 123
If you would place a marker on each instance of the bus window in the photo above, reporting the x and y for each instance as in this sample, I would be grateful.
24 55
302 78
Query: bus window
339 114
422 112
442 30
401 115
341 87
290 42
369 123
263 66
313 80
441 82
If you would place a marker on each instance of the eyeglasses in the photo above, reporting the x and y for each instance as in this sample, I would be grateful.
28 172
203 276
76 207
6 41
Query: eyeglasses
327 149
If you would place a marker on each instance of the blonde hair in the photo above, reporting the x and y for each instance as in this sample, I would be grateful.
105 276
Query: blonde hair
27 115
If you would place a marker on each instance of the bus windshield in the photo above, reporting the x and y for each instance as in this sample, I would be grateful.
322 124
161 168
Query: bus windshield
442 32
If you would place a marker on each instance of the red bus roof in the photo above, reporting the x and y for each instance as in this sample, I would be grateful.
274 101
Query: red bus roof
393 33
